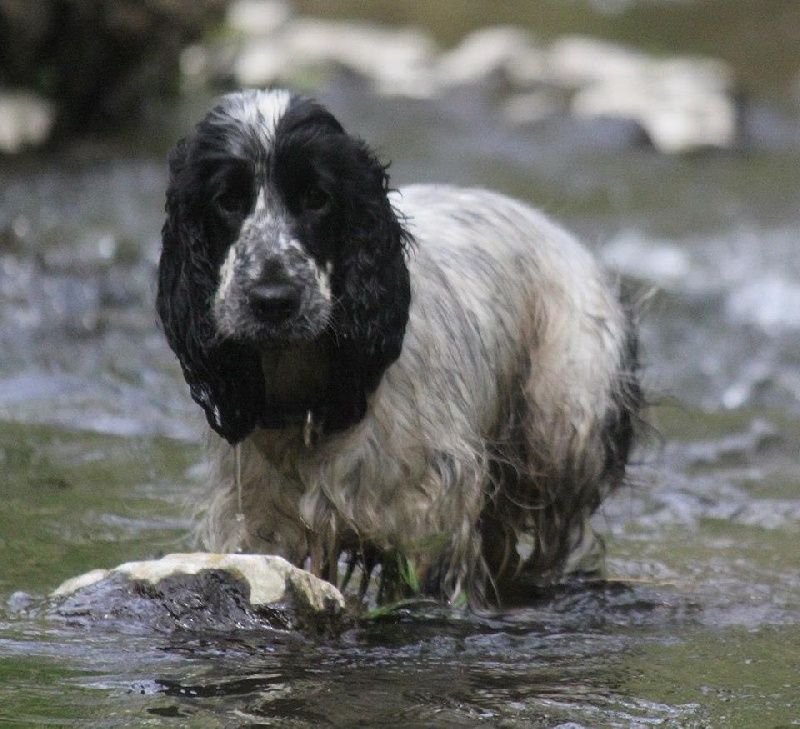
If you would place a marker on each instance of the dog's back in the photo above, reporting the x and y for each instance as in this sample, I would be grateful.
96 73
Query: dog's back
537 356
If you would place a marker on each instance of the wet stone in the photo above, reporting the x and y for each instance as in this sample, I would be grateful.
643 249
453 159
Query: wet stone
201 593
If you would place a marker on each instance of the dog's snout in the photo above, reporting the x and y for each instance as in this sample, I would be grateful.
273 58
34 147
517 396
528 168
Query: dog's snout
275 301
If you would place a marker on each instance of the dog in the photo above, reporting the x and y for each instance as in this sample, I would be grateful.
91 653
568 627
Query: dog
440 381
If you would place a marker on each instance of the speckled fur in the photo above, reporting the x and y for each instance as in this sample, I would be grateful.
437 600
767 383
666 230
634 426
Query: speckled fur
505 420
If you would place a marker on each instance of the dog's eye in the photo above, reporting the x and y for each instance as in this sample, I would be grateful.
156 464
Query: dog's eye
314 199
232 203
232 187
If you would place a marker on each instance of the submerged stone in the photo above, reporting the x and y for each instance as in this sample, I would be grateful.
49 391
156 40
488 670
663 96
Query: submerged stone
202 592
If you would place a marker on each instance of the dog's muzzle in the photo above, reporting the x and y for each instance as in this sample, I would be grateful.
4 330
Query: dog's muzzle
275 301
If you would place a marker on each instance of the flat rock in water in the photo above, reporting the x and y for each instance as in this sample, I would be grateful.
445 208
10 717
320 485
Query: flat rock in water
202 592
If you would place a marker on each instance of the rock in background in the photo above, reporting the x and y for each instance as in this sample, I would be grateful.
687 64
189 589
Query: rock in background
680 104
90 64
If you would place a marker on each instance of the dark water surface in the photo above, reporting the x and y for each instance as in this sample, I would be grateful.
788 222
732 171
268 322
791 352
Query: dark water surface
698 624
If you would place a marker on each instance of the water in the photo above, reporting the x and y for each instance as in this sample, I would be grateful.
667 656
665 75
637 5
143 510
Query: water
697 625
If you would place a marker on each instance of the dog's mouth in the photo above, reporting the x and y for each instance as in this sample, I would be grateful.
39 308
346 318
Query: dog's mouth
286 337
296 375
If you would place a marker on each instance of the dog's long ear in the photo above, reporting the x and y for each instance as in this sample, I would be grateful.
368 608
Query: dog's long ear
224 377
374 280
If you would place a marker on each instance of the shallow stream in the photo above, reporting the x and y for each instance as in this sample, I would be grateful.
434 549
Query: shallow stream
698 624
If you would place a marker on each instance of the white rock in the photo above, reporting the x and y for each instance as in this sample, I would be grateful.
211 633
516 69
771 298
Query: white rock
262 63
269 578
257 17
487 51
262 58
73 584
575 61
682 103
26 120
677 113
398 62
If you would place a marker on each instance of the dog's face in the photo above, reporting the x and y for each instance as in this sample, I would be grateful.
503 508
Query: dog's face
278 233
272 215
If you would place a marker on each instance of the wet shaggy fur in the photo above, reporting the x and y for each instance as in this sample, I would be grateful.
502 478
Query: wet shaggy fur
437 378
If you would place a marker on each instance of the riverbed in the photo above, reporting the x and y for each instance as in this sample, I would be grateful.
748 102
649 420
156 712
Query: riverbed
697 623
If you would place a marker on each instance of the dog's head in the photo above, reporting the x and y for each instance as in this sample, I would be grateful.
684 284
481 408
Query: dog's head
279 234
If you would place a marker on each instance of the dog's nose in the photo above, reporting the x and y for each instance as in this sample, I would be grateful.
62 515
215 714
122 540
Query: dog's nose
275 301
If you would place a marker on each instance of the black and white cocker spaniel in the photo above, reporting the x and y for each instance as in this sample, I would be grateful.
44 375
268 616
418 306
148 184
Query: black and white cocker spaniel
437 378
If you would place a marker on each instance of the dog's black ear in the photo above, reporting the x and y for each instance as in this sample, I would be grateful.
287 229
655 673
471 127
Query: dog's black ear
374 295
224 377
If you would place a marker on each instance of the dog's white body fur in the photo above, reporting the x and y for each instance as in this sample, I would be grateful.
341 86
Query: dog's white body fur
514 332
